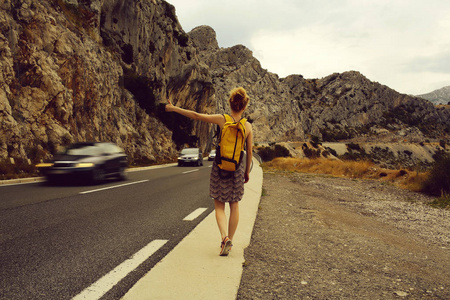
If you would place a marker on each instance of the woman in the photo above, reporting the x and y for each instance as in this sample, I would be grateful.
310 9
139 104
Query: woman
230 189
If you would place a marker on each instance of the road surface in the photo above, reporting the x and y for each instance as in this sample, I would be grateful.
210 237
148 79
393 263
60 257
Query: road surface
70 241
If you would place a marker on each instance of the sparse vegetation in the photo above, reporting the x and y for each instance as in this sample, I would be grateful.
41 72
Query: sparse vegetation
441 202
353 169
434 182
19 169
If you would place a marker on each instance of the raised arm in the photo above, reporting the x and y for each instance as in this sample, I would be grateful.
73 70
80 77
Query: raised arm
215 118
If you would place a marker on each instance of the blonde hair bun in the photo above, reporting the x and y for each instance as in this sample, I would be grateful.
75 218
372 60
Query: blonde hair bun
238 99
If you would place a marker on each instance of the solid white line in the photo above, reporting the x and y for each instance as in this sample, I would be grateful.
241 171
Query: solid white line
191 171
112 187
193 215
104 284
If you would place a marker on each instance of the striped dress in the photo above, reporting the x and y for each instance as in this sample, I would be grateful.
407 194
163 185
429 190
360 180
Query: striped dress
227 189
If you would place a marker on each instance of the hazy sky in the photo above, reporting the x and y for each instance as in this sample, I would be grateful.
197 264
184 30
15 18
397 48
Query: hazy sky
404 44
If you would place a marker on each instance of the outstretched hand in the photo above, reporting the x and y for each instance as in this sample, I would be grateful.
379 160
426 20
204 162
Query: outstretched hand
169 106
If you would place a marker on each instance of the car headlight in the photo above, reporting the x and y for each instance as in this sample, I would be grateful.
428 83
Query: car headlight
44 165
84 165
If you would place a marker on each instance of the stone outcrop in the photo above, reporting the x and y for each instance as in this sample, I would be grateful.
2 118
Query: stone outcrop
77 70
440 96
94 70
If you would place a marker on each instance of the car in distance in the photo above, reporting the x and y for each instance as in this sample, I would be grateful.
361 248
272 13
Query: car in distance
190 156
212 155
93 161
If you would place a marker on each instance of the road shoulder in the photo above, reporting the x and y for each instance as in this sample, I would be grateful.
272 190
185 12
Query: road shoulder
336 238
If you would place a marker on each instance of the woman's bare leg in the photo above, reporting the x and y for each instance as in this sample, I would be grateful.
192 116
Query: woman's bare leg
234 219
221 218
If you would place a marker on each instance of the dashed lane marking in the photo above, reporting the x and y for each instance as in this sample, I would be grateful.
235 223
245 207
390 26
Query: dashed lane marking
107 282
195 214
191 171
112 187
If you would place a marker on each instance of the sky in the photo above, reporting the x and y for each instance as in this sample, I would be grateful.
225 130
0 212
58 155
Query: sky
404 44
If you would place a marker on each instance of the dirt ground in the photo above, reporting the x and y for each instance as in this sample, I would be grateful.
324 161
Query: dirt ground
319 237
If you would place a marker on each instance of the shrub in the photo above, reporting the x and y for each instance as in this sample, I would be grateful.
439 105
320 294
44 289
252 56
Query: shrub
311 153
266 154
354 146
281 151
441 202
315 140
19 169
269 153
438 182
331 151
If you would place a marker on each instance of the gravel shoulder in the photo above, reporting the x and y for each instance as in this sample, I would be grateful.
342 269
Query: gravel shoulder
319 237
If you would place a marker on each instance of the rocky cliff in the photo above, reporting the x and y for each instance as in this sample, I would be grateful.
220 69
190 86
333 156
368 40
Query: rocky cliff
95 70
440 96
76 70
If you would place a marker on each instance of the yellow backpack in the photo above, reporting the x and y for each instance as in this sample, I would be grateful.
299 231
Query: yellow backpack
230 150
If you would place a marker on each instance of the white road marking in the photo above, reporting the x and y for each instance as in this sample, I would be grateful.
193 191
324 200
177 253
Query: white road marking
113 187
193 215
104 284
191 171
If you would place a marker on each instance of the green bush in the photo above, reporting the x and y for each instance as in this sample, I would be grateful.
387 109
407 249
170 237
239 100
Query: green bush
354 146
269 153
441 202
438 183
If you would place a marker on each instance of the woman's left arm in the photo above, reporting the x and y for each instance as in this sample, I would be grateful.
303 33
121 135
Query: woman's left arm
215 119
249 145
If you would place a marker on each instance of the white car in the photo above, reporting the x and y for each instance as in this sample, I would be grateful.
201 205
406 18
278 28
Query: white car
212 155
190 156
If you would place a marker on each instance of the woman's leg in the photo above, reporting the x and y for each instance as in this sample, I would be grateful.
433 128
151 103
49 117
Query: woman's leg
234 219
221 218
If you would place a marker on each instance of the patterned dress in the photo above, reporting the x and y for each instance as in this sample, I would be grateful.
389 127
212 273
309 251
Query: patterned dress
227 189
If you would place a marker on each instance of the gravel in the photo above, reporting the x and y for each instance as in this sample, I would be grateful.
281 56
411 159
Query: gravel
319 237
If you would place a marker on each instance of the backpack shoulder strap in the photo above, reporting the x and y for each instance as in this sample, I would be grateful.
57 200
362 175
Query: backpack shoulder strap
228 118
242 121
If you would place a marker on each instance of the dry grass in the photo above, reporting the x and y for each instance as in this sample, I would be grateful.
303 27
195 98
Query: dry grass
411 180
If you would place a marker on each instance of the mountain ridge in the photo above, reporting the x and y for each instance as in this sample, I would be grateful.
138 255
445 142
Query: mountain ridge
439 96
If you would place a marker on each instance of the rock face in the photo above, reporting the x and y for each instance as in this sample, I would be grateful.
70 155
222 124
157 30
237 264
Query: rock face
94 70
102 70
440 96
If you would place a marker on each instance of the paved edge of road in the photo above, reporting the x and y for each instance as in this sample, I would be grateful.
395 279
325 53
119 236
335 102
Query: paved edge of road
41 179
194 269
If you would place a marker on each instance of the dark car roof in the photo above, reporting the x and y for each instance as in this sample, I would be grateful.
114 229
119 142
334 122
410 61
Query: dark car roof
101 146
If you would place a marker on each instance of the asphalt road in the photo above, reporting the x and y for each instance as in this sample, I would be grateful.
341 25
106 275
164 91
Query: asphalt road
57 242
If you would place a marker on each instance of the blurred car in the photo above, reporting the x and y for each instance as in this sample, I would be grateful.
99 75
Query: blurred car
92 161
212 155
190 156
